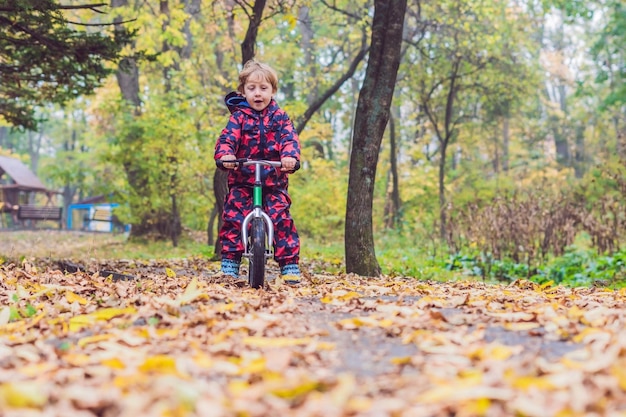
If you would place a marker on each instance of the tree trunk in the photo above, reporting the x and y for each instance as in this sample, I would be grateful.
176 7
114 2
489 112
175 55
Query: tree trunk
371 119
173 228
620 133
442 190
579 153
249 42
127 75
392 202
306 44
561 144
506 140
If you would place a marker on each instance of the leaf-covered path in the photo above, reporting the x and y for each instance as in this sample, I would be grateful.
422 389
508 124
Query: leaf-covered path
179 340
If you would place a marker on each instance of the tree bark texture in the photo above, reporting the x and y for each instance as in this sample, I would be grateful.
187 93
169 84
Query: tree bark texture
372 115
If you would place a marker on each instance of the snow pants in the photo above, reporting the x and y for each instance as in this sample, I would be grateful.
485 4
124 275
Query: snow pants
276 203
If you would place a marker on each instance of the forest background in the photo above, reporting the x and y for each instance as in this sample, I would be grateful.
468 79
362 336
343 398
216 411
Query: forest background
502 158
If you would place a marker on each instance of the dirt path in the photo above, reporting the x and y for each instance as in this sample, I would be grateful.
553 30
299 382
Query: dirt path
179 339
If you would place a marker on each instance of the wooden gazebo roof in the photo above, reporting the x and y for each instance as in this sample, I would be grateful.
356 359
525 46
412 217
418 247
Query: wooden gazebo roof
22 177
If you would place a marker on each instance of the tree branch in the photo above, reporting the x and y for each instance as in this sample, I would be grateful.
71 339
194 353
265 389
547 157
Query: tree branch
337 9
62 7
304 119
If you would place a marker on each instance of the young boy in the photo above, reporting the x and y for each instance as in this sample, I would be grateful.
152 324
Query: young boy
258 129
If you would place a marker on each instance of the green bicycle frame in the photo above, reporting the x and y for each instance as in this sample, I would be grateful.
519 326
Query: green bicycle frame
257 210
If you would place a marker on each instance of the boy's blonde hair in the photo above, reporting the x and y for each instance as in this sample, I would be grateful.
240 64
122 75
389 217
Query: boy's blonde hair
254 67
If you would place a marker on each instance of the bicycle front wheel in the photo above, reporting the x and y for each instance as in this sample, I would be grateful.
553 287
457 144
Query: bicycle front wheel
256 270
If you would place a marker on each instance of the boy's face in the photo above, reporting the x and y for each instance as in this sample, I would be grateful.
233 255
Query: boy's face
258 91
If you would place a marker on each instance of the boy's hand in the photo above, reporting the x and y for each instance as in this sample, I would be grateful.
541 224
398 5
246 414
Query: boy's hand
226 158
289 163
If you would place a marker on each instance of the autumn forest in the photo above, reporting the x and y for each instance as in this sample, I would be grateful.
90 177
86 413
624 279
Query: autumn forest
503 144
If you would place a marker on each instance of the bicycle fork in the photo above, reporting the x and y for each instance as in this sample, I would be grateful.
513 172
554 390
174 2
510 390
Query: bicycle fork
257 212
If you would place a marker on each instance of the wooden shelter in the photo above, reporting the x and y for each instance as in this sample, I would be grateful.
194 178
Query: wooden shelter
19 185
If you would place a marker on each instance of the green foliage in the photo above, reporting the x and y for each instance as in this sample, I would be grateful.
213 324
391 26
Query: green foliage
47 60
318 193
420 201
20 308
165 149
576 267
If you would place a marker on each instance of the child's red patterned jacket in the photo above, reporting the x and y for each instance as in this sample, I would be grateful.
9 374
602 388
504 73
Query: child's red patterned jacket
268 134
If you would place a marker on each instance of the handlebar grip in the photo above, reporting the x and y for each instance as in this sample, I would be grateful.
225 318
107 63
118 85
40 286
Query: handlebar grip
239 161
220 163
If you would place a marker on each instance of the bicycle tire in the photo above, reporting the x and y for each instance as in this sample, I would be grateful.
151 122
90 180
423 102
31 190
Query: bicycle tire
256 270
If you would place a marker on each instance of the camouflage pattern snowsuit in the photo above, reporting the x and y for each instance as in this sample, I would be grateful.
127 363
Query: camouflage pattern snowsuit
270 135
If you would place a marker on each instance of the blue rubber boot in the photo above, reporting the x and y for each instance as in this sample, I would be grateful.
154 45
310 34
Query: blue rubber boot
290 274
230 267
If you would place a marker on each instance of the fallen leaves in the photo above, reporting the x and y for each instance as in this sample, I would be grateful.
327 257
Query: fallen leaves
181 340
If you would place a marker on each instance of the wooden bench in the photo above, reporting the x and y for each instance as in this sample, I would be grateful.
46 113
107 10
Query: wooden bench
101 215
44 213
106 216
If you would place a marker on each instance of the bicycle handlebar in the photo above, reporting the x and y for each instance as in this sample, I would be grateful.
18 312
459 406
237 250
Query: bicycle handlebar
247 162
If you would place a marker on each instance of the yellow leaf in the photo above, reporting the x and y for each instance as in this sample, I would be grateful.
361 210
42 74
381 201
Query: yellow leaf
161 364
85 320
521 326
435 395
535 382
225 307
77 359
370 321
461 392
93 339
170 273
324 346
587 331
22 325
404 360
237 387
71 297
326 299
346 387
130 382
113 363
78 322
296 391
415 336
575 312
477 407
203 360
258 341
191 292
359 405
171 333
493 351
349 296
109 313
620 374
24 394
253 366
